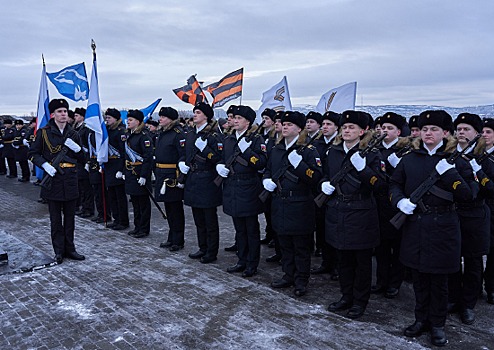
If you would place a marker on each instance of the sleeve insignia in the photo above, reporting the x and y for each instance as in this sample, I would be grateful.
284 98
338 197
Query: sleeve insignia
210 155
383 166
373 180
182 143
263 147
455 184
318 162
484 181
253 160
309 172
220 146
147 143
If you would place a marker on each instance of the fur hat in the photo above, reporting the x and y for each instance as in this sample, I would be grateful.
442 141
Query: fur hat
269 113
168 112
246 112
136 114
437 117
413 121
488 123
362 119
204 108
332 116
57 103
113 112
470 119
80 111
393 118
296 118
315 116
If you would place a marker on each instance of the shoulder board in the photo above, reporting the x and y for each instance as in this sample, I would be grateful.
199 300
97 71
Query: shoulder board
177 130
311 147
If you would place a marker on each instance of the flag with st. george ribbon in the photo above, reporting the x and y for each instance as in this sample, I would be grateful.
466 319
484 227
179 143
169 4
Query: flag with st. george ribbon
227 89
94 119
192 92
71 82
43 114
339 99
277 98
147 111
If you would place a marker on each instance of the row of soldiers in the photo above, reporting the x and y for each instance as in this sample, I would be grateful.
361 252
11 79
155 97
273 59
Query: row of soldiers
361 179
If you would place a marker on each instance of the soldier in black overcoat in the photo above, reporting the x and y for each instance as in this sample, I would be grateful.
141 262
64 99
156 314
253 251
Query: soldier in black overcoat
8 135
464 285
352 225
115 169
431 240
245 153
329 128
292 171
389 270
169 149
200 192
488 168
21 147
63 192
138 169
96 179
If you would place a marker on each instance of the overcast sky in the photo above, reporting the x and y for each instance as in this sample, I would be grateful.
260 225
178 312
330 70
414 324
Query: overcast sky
435 52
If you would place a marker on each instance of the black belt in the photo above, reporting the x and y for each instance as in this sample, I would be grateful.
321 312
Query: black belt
242 176
470 205
438 209
351 197
288 193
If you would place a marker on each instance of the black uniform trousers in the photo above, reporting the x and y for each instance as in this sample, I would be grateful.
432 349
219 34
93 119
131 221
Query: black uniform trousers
489 272
86 196
296 258
176 222
3 167
25 173
62 229
12 166
271 234
355 270
248 238
142 213
119 204
464 286
329 253
208 231
431 297
389 270
101 200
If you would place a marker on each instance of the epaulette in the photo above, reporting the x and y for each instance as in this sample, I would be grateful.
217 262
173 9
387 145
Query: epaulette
311 147
177 130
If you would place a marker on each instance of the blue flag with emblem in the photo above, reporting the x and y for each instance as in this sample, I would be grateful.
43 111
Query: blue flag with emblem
94 118
71 82
147 111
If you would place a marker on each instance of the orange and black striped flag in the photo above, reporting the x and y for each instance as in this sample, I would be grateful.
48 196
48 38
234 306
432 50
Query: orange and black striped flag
227 89
192 92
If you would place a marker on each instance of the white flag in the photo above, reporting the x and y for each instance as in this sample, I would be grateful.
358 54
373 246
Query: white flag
277 98
338 99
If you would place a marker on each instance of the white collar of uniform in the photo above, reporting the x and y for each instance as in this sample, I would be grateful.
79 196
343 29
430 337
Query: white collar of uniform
490 150
331 138
458 147
389 145
346 149
239 135
434 150
199 128
291 143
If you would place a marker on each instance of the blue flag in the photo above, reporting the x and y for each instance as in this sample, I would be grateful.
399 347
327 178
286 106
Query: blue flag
94 119
43 115
71 82
147 111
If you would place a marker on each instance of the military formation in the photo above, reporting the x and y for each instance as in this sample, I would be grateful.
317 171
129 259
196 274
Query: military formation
417 195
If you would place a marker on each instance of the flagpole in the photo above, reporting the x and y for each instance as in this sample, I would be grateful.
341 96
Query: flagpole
242 85
202 91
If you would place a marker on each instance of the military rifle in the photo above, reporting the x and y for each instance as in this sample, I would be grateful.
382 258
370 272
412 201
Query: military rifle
282 171
47 179
399 219
236 155
181 177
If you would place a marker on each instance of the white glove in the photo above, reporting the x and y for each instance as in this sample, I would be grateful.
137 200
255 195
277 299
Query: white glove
100 170
163 188
25 143
184 169
201 144
243 145
269 185
119 175
393 159
442 166
1 146
357 161
16 147
141 181
406 206
327 188
86 167
123 177
294 158
222 170
50 170
72 145
475 166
